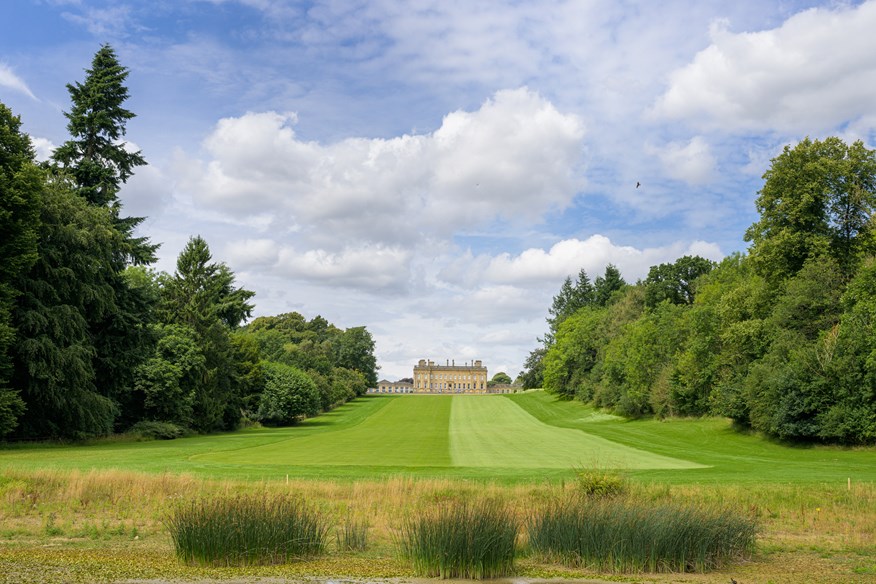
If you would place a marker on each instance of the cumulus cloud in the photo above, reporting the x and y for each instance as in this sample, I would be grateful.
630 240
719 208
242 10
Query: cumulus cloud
43 147
535 266
516 157
371 267
10 80
691 162
810 74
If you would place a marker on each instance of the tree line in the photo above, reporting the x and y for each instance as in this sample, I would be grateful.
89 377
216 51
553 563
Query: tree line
781 339
93 341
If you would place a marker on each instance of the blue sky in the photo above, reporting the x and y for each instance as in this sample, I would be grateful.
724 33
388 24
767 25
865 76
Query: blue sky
434 169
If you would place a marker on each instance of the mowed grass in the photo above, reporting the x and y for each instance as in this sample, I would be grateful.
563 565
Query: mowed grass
514 438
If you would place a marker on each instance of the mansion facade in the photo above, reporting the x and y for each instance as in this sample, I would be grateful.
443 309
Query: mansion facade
448 378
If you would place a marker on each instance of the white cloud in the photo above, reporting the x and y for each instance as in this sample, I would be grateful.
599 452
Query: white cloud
363 268
812 73
536 266
43 147
516 157
692 162
10 80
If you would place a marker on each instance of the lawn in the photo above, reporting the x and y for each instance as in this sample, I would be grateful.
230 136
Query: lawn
97 512
509 438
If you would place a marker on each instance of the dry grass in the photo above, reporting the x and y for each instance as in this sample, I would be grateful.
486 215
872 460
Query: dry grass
94 513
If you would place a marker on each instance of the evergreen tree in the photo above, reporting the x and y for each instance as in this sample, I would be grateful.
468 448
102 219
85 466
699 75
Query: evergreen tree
21 187
99 164
606 285
201 296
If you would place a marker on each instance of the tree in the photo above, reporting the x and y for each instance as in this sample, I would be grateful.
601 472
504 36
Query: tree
675 282
606 285
201 296
99 163
21 190
500 378
532 376
817 200
354 349
289 395
63 291
570 298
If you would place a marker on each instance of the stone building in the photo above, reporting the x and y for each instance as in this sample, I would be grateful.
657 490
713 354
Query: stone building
450 378
384 386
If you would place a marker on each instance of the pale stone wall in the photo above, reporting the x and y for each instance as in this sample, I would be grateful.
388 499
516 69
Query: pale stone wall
450 378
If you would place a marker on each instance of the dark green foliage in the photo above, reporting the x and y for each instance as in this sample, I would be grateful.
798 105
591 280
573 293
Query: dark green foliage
247 531
607 285
169 379
461 539
817 200
94 156
616 535
501 378
340 362
532 376
289 395
674 282
201 297
569 362
61 294
21 188
570 298
157 430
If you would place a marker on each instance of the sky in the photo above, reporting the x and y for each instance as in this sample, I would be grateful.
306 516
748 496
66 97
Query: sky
434 169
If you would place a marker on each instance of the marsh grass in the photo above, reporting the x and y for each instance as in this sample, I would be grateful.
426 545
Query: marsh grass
352 535
247 530
623 535
461 539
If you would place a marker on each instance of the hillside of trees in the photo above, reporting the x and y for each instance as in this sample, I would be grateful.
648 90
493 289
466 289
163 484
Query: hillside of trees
93 341
781 339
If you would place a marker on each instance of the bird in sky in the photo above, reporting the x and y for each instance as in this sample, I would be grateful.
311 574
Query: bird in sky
638 184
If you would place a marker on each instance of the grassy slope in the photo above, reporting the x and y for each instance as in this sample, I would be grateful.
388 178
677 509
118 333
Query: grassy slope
494 432
511 438
731 456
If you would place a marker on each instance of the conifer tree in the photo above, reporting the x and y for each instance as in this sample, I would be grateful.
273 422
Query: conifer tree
98 163
21 186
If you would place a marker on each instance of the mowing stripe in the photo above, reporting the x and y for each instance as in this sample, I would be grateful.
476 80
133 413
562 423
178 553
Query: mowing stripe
408 431
489 431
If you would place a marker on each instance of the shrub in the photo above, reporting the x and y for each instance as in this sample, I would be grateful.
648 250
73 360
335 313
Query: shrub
599 483
461 540
289 395
246 530
625 536
157 430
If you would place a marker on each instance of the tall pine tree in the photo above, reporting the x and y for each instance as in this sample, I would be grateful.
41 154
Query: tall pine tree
98 162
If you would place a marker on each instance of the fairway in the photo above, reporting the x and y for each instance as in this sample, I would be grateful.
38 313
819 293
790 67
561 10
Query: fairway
451 431
518 437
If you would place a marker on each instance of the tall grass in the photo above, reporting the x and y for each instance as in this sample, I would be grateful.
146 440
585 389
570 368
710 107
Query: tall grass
632 536
461 539
247 530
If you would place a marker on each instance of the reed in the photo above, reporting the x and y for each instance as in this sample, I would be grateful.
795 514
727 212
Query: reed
352 535
247 530
616 535
461 539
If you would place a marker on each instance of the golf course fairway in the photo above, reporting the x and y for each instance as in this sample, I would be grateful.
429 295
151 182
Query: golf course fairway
452 431
509 438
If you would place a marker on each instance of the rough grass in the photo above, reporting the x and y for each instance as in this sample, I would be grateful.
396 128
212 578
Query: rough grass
624 535
247 530
108 525
461 539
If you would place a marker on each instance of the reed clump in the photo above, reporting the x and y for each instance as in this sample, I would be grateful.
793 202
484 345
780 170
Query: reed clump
461 539
247 530
623 535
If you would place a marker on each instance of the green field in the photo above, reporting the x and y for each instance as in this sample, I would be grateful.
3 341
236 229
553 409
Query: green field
517 437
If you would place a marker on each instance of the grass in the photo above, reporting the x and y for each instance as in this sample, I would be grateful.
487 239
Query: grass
379 459
246 530
461 539
108 525
624 535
